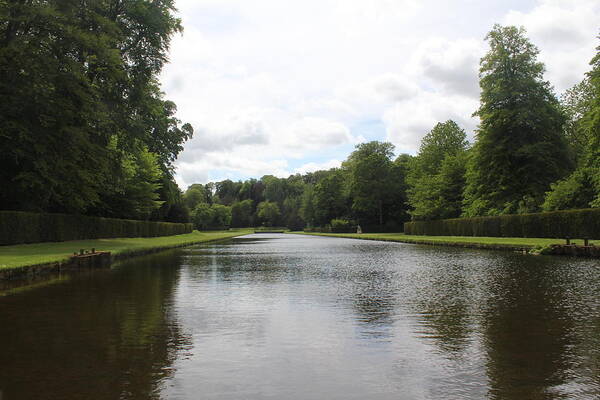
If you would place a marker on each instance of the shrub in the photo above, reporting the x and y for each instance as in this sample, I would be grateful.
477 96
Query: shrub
342 226
556 224
319 229
25 227
211 217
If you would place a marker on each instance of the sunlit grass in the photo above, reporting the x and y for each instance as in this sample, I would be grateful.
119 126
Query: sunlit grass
400 237
40 253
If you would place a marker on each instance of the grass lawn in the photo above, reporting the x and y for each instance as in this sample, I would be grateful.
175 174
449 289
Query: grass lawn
40 253
498 241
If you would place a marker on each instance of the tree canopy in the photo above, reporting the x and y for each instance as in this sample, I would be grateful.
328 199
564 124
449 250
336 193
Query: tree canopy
369 169
437 173
519 149
84 127
581 189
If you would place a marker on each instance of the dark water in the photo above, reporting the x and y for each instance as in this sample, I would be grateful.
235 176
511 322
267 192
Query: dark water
294 317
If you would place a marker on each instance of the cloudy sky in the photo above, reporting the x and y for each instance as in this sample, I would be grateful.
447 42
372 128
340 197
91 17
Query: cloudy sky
286 86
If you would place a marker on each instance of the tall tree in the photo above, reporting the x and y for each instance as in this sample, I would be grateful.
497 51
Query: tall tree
307 206
173 208
576 102
582 188
330 197
268 212
369 168
274 189
227 191
519 148
81 102
194 195
399 182
436 175
241 214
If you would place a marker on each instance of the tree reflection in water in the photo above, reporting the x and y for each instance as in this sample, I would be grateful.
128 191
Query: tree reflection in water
101 337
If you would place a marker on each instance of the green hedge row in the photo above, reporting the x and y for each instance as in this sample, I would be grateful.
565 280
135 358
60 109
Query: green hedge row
25 227
556 224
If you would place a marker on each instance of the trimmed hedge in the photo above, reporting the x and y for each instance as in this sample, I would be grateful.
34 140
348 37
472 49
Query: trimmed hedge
24 227
556 224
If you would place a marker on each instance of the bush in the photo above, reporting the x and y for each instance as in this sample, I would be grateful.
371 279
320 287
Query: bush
342 226
556 224
211 217
319 229
24 227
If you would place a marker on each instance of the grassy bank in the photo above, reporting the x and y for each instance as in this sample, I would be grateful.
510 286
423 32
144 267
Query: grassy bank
467 241
23 255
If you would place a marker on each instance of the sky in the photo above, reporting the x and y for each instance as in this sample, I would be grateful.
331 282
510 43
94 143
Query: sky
291 86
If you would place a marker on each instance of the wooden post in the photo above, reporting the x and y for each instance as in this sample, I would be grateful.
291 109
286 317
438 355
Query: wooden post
586 241
568 240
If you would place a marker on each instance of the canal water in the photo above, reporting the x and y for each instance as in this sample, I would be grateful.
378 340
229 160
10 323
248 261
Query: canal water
275 316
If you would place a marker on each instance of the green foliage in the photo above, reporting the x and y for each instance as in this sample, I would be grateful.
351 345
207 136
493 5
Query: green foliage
557 224
82 115
202 216
291 213
582 187
313 199
24 227
194 195
211 217
437 173
173 208
370 182
222 216
140 182
520 149
227 191
576 191
330 198
541 250
307 207
268 213
274 189
241 214
342 226
445 139
576 102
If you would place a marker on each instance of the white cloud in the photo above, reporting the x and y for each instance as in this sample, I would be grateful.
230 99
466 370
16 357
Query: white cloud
312 166
235 133
267 81
566 32
202 170
394 87
314 133
452 66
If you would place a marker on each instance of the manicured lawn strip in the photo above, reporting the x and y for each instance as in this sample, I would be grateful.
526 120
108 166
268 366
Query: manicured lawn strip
41 253
491 241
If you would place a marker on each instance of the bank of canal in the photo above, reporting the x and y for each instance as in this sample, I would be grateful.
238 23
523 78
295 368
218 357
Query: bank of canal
31 259
279 316
474 242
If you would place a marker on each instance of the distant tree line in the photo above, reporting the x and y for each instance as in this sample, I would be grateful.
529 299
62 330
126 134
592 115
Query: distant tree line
84 127
369 187
532 152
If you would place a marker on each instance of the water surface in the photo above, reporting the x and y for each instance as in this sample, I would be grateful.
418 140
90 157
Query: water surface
274 316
